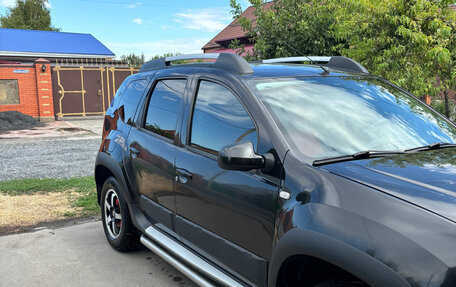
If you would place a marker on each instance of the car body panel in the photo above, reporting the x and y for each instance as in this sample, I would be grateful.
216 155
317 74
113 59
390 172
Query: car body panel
426 178
381 226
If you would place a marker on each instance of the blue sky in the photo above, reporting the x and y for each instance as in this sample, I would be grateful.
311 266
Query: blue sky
149 26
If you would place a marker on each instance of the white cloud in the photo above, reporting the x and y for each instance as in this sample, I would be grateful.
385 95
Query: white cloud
131 6
208 20
167 27
152 48
138 21
7 3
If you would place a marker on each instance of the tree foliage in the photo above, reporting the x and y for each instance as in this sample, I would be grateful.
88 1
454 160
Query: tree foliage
409 42
133 60
28 15
288 27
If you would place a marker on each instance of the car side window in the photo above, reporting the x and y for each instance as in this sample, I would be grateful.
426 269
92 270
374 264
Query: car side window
219 119
163 109
127 102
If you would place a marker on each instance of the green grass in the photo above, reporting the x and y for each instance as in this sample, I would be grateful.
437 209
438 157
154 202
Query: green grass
82 185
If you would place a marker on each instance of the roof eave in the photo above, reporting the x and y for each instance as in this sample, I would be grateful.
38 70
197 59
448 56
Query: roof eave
54 55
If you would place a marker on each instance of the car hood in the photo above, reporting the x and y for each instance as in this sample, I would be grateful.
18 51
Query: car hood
426 179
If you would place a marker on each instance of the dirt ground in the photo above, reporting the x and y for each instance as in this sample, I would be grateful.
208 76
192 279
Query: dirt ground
19 213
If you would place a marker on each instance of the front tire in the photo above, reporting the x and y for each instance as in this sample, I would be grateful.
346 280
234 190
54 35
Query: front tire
115 216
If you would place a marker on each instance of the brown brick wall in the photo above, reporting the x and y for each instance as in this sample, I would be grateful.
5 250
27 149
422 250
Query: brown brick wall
35 89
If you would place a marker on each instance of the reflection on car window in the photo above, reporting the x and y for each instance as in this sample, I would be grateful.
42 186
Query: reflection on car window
163 109
128 100
219 119
334 116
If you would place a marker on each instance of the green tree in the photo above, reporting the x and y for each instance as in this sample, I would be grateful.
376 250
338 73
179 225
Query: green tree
408 42
29 15
158 56
133 59
288 28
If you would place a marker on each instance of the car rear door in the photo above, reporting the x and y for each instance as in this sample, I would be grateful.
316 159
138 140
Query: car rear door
226 215
152 150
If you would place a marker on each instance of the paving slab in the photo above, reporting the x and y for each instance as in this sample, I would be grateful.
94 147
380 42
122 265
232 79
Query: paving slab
79 255
61 128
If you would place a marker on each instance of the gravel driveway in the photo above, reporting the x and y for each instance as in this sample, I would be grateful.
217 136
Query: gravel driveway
48 158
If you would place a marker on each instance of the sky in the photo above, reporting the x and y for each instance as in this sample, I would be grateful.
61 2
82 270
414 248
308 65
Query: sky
144 26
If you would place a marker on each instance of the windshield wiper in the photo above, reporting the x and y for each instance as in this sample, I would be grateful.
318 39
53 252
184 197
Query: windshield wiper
356 156
436 145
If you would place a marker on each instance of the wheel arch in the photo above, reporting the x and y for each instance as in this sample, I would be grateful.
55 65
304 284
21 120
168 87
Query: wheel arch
106 166
304 242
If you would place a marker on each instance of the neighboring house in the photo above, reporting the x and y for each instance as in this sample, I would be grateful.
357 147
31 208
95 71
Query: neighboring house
29 62
221 42
29 45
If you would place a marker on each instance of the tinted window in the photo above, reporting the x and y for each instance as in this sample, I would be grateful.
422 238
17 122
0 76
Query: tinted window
219 119
128 100
163 107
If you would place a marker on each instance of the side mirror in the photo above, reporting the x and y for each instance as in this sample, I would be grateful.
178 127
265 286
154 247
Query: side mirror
241 156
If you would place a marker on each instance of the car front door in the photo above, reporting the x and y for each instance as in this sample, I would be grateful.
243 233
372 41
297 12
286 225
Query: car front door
152 151
226 215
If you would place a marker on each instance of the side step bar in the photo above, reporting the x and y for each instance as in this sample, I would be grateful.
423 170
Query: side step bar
184 260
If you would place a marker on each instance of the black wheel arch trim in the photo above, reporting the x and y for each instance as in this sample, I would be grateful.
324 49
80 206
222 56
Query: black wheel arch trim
137 217
306 242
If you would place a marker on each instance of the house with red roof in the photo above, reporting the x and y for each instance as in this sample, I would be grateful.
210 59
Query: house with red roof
220 43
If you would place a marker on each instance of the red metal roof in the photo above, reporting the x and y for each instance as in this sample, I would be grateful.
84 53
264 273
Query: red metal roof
234 29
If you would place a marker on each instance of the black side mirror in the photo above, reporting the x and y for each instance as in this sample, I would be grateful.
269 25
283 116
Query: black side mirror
241 156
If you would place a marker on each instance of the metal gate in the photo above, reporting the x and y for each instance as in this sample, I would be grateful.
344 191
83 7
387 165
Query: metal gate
86 89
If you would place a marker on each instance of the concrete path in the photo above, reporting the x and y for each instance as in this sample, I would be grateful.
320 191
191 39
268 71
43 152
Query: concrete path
79 255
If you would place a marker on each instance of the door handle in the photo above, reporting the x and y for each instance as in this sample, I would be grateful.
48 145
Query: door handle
183 175
134 151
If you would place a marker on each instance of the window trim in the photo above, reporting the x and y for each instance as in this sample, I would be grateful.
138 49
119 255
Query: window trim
194 95
142 120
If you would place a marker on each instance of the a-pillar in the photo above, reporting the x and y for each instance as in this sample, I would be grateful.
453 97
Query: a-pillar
44 90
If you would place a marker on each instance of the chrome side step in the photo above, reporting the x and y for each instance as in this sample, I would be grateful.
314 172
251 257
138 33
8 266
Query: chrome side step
181 258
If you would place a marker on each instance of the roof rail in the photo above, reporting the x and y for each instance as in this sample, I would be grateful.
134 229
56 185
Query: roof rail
334 62
224 61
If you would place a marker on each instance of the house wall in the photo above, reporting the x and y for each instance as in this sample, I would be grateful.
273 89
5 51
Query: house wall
35 89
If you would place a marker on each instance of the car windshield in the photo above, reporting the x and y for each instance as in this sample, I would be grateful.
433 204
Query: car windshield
324 117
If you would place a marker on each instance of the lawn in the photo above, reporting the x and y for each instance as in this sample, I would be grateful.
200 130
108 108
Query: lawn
28 202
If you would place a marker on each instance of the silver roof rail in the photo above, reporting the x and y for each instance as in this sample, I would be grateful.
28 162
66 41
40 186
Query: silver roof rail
297 59
202 56
334 62
224 61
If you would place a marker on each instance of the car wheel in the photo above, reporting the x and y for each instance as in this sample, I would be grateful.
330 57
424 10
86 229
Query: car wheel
117 225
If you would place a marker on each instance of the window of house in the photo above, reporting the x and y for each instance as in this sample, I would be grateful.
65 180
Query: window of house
9 92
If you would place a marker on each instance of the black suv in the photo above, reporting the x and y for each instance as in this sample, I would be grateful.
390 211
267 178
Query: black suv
279 174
